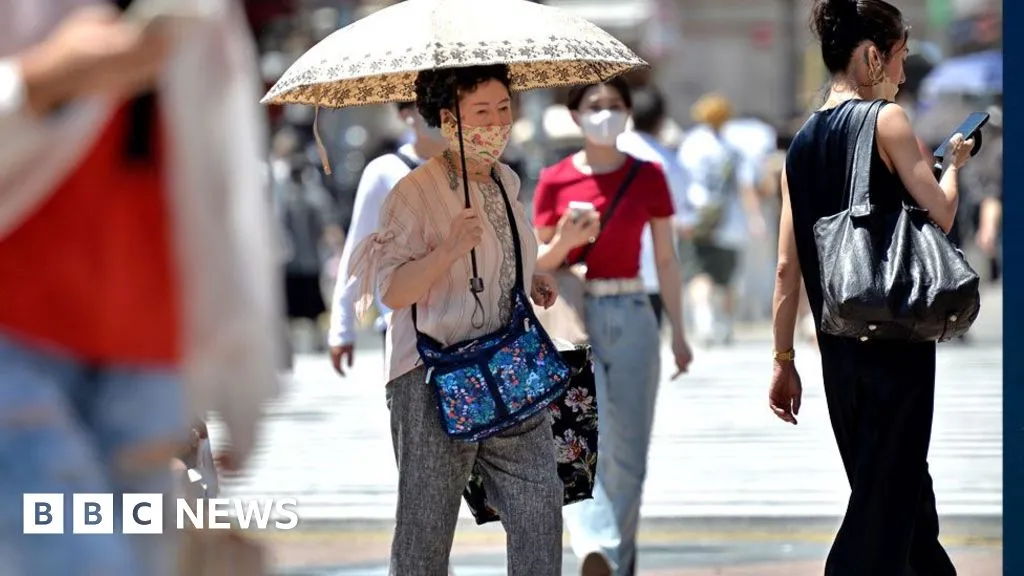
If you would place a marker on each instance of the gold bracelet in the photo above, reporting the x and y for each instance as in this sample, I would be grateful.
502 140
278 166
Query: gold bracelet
786 356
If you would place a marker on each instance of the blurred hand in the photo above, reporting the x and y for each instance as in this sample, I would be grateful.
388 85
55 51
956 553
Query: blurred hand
986 240
544 291
94 52
226 463
580 231
959 150
342 356
786 391
683 355
464 234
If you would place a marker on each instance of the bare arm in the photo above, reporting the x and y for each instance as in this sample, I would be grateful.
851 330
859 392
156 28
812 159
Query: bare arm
411 281
94 51
786 299
670 278
553 249
899 148
557 242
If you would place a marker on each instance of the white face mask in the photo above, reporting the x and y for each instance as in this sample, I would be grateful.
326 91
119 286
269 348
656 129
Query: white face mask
603 127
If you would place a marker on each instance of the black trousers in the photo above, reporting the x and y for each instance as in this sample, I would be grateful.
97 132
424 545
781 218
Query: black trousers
881 399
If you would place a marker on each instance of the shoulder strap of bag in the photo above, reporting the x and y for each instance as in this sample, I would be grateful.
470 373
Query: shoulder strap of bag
860 170
408 161
630 176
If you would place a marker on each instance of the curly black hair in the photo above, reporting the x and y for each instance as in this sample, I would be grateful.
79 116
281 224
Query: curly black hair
436 89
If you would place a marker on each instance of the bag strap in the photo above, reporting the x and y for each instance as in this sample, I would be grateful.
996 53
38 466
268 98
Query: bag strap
408 161
514 227
630 176
516 242
860 169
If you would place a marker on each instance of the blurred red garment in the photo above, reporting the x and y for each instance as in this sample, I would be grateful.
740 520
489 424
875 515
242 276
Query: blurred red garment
92 269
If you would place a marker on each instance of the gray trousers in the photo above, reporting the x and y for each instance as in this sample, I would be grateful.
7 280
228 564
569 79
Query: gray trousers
520 476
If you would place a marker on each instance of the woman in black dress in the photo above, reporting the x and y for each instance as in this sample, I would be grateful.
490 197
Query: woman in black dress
880 394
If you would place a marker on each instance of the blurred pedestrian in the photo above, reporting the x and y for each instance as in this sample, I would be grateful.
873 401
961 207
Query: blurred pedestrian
379 177
880 393
982 205
308 217
417 261
138 284
627 195
643 143
722 189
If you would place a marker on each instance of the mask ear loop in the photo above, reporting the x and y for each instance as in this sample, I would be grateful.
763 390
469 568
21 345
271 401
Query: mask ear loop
476 283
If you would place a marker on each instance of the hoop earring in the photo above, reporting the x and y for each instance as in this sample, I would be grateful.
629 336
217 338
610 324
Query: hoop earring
877 76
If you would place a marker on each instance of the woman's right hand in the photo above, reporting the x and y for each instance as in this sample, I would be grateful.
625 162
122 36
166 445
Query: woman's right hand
464 233
959 150
576 232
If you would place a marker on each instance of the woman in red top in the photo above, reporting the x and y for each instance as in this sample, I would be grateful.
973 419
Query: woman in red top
620 321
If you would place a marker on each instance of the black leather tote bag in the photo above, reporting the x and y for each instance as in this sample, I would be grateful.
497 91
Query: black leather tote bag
886 273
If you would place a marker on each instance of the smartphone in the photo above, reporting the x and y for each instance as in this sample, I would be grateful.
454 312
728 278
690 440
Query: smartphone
579 209
970 128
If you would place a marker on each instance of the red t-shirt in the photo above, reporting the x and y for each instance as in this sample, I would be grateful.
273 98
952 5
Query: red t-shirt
616 254
92 270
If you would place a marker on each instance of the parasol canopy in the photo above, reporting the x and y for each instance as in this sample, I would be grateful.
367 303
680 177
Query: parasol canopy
376 59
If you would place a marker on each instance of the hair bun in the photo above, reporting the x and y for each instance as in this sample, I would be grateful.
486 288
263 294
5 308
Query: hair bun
840 10
831 17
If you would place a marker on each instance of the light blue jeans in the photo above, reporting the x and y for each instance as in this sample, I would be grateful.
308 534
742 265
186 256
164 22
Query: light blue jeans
67 427
626 344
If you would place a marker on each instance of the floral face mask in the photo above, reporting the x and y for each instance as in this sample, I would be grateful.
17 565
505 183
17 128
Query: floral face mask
483 144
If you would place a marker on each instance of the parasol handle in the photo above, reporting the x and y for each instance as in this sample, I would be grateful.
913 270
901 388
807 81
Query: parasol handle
476 283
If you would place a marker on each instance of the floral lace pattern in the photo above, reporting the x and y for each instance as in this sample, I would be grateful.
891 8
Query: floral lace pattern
495 210
574 431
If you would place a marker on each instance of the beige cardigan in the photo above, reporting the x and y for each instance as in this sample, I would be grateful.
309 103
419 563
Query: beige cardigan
220 208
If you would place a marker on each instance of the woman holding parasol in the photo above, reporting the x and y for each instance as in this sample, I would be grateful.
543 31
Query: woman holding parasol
452 251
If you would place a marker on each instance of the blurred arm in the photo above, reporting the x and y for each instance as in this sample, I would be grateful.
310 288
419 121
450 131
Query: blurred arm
370 197
691 158
25 94
670 278
747 180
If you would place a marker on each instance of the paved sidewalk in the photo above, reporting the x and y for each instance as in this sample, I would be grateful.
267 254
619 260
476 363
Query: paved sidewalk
730 491
717 450
480 552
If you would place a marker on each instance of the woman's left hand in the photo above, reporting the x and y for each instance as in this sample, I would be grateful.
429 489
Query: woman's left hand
544 291
683 355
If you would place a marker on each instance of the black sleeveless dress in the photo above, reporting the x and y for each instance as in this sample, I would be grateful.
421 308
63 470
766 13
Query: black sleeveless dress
880 394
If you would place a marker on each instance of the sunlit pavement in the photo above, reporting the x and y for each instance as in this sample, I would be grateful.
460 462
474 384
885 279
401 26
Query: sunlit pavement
728 484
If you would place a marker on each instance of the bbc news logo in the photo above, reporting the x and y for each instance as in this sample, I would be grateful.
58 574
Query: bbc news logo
144 514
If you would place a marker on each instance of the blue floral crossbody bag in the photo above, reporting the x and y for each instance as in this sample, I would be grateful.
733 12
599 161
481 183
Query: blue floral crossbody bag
491 383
